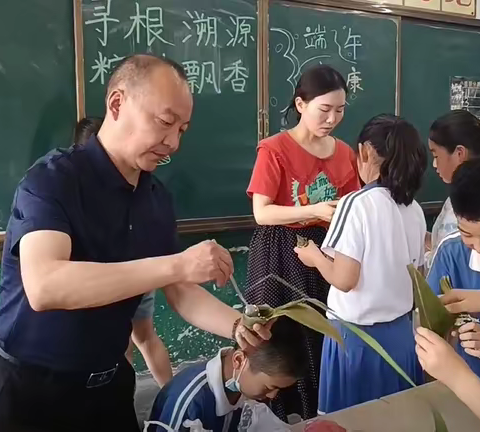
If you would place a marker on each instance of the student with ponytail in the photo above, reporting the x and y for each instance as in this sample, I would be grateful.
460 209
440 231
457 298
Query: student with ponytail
375 233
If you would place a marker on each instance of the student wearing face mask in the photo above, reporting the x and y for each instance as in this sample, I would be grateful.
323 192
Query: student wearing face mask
375 233
298 176
211 394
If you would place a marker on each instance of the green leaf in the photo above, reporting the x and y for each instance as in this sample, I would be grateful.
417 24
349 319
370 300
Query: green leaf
433 314
440 425
298 311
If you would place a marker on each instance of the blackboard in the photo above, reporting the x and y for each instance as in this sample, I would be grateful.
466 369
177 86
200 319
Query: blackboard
37 87
362 47
431 56
215 40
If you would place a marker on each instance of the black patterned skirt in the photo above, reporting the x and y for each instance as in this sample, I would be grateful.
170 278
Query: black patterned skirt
271 251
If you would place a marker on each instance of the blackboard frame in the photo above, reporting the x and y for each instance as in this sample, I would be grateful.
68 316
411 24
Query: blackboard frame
217 224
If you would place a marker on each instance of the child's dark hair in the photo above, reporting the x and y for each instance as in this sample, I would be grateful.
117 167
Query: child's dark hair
457 128
284 354
85 128
465 190
316 81
404 155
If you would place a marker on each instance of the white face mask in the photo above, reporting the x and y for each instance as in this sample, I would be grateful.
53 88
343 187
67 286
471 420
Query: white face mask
233 384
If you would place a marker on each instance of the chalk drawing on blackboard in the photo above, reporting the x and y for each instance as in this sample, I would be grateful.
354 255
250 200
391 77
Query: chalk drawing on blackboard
290 55
273 101
465 94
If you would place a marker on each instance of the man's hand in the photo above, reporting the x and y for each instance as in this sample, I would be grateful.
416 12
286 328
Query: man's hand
459 300
206 261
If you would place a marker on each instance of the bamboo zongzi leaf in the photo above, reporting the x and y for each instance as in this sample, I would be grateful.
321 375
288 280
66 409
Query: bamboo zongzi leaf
445 285
433 314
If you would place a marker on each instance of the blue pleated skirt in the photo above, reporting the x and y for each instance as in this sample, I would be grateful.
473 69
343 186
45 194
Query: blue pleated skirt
355 373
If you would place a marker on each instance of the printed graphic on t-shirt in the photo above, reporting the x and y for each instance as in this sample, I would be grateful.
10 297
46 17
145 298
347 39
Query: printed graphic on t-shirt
319 190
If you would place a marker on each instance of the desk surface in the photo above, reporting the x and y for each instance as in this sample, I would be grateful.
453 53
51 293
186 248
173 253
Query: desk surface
407 411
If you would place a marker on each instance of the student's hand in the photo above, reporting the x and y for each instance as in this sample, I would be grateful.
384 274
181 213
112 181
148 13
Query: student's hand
459 300
437 357
247 339
206 261
469 335
309 254
324 210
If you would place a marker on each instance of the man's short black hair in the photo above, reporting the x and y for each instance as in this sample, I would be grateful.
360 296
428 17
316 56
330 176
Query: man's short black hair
284 354
465 190
134 70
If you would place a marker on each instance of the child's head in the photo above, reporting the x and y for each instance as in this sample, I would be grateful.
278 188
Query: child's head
465 196
454 138
319 99
85 128
275 364
390 151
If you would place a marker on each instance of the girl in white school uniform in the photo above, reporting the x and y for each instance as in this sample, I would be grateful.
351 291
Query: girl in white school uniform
375 233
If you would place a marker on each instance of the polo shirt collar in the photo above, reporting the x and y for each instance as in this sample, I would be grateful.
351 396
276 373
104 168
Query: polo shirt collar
474 261
371 185
217 386
107 170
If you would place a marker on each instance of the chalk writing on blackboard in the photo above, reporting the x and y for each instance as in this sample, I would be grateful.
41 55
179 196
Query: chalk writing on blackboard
315 37
238 76
200 74
151 21
243 31
206 28
354 82
465 94
103 66
102 16
155 29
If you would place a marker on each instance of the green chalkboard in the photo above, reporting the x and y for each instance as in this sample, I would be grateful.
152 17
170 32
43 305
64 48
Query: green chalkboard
37 87
431 55
215 40
362 47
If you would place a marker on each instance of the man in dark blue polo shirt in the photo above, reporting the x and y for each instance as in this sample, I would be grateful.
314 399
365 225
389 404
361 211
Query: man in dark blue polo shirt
91 230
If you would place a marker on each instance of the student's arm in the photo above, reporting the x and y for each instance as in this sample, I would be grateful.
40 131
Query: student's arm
264 187
440 361
344 243
343 272
153 350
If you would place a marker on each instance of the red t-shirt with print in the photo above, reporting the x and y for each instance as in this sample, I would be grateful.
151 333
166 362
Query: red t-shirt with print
285 172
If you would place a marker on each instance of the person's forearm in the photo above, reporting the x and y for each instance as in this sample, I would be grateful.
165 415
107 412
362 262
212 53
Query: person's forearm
201 309
78 285
467 388
333 274
283 215
157 359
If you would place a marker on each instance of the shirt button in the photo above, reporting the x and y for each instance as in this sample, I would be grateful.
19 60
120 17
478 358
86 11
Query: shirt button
130 227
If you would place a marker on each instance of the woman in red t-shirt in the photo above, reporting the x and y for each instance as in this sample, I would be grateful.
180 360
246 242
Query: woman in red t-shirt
298 176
